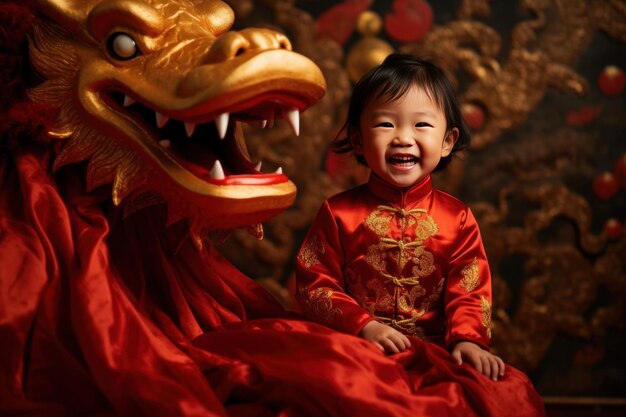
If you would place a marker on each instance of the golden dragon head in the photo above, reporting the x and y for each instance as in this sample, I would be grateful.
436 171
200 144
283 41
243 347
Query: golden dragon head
151 93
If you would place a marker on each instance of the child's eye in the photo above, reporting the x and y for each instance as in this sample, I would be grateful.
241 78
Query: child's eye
422 124
384 124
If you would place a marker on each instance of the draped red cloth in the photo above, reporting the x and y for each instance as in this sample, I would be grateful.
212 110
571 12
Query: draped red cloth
101 315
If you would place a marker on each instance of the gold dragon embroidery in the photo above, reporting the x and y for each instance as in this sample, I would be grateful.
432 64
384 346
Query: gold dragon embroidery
308 255
470 279
378 222
485 306
318 304
391 256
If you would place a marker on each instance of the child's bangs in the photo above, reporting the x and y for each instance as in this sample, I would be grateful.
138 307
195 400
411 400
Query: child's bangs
396 87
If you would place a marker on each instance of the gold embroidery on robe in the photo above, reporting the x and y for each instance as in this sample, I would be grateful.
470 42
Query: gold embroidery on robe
378 222
470 279
485 306
406 326
400 263
426 228
406 302
319 304
375 257
424 262
308 254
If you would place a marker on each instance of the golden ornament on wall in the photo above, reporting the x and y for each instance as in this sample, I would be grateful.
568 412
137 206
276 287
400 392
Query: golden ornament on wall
369 51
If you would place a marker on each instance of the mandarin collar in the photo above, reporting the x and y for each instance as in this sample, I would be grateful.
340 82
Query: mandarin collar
400 196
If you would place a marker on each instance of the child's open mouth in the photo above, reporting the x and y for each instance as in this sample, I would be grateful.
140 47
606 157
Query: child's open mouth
403 161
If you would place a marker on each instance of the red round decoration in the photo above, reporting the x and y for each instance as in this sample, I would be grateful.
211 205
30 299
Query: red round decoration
613 229
339 21
620 171
473 115
605 186
409 21
612 81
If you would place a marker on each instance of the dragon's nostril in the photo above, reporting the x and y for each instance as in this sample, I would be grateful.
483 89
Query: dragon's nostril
236 44
283 42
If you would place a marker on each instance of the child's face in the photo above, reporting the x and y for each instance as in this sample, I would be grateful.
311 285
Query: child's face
403 140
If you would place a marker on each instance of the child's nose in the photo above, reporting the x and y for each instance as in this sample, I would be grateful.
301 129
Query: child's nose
404 139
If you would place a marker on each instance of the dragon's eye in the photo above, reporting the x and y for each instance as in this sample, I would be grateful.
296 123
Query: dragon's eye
122 46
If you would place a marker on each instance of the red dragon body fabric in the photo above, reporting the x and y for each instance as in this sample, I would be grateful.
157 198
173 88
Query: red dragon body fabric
112 299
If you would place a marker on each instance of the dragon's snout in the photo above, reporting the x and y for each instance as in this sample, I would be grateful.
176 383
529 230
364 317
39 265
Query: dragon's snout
234 44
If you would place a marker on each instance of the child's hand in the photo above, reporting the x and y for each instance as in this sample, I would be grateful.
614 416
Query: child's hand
385 337
486 363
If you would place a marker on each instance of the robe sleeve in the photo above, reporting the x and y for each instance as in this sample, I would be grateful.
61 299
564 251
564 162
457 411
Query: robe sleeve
320 286
468 289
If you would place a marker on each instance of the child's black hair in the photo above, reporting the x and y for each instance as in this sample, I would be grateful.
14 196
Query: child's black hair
392 79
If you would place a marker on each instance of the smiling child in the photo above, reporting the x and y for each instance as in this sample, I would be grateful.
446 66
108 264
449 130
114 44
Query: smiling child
395 258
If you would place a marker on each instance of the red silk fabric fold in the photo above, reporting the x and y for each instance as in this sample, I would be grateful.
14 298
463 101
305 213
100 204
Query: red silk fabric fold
101 315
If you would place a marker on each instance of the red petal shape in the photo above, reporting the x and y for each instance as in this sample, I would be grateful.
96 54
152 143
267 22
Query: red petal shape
410 20
338 22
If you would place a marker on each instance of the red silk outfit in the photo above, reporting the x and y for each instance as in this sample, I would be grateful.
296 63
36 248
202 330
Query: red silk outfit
411 259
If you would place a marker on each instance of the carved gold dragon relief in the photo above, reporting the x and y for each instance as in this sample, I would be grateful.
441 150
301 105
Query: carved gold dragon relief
160 91
542 51
508 92
561 282
565 267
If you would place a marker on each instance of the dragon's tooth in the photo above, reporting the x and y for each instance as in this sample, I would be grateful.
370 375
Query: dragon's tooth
279 170
258 166
161 119
128 101
165 143
293 117
263 124
189 128
221 122
217 172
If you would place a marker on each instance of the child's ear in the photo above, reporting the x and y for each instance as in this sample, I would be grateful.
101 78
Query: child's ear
448 142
